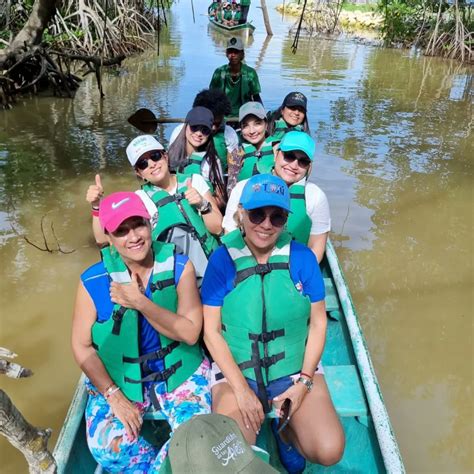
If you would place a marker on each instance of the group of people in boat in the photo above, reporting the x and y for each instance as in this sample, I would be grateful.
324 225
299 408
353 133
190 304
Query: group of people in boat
231 13
209 295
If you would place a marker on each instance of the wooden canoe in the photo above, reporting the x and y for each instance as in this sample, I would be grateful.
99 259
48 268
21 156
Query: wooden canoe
245 27
371 446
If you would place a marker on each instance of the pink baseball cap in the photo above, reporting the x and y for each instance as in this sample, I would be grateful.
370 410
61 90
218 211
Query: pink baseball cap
117 207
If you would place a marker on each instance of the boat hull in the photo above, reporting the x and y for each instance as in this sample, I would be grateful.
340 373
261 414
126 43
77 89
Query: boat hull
247 28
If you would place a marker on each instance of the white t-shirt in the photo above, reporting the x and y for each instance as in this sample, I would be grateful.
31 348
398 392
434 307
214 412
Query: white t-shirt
317 207
230 136
197 182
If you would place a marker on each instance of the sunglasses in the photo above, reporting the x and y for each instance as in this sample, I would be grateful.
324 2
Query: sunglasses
284 415
200 128
277 218
155 155
289 157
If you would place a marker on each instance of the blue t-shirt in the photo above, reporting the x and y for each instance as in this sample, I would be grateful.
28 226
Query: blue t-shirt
97 283
220 275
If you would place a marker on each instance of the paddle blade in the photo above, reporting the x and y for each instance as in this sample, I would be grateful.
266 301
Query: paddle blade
144 120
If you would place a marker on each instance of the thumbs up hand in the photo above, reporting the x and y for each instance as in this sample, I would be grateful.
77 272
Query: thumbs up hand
95 192
192 195
129 295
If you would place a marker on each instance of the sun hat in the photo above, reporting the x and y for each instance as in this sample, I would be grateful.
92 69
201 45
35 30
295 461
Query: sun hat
265 190
298 141
252 108
235 43
200 116
117 207
213 444
295 99
140 145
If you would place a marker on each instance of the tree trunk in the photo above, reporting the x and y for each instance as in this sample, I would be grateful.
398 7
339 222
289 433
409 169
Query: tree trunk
31 441
32 31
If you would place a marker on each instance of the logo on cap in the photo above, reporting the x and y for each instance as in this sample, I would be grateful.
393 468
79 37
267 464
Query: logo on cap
298 96
116 205
229 449
256 188
233 40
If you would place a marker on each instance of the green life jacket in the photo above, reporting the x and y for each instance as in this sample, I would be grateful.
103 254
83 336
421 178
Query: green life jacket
264 318
281 127
299 223
117 339
221 149
256 162
175 211
193 163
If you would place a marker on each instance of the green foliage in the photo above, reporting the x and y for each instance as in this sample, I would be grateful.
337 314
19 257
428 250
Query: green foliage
358 7
402 19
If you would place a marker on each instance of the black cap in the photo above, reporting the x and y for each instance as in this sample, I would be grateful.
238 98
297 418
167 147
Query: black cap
295 99
200 116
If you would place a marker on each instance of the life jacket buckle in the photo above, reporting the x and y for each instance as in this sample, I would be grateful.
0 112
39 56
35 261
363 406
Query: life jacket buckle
270 360
271 335
262 269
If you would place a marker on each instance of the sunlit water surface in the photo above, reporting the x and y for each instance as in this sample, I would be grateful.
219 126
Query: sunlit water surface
394 156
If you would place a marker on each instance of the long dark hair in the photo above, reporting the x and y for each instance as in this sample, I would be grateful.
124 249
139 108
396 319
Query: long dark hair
178 159
276 115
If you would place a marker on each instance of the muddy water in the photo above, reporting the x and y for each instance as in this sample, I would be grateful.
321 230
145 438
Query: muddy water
394 157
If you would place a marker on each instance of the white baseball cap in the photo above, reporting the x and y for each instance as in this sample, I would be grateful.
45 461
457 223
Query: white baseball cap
140 145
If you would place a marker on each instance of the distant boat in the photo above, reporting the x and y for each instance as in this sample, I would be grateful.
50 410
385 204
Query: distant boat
244 27
371 446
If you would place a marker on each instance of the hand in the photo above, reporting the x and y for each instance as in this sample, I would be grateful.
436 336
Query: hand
295 393
129 295
193 197
127 413
95 192
250 408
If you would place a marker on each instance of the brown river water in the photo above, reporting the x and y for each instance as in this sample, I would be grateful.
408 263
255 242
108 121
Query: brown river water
394 156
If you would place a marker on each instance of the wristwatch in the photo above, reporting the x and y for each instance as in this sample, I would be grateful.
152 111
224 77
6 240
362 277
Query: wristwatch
308 383
206 207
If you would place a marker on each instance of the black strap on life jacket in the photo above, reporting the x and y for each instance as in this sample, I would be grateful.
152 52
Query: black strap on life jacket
260 269
161 284
297 196
117 317
159 376
159 354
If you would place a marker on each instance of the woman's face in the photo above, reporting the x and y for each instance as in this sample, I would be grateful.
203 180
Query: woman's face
132 239
292 166
253 129
293 115
156 170
262 226
197 136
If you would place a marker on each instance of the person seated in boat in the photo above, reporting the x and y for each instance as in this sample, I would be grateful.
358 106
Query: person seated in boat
214 7
236 13
310 220
244 11
291 115
258 152
136 323
261 278
188 213
193 151
238 81
225 138
227 20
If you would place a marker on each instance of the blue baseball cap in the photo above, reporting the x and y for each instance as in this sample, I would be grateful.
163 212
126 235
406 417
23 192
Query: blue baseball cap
298 141
265 190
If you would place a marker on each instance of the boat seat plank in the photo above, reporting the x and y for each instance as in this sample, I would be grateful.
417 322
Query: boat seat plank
332 301
344 386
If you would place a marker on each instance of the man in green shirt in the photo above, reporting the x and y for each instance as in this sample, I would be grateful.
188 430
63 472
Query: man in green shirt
238 81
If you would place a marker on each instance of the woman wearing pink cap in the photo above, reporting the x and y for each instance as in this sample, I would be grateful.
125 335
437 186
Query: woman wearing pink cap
136 323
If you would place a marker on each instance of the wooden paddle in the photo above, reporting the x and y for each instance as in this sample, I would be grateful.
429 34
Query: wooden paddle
146 121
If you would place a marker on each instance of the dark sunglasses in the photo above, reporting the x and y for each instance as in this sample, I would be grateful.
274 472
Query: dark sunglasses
155 155
289 157
277 218
200 128
284 415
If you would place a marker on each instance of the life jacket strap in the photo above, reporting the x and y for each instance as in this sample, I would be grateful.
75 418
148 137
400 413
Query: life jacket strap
117 317
172 198
161 284
162 376
260 269
297 196
159 354
267 336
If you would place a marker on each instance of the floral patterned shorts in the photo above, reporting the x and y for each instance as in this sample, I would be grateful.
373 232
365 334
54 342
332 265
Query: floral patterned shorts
106 435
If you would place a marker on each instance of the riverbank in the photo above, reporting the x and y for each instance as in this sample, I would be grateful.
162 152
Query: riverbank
353 19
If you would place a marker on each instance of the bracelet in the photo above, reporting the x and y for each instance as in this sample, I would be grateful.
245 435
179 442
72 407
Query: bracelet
302 374
112 388
307 383
108 388
95 212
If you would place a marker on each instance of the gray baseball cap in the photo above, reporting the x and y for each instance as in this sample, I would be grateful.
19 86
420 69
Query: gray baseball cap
213 444
235 43
252 108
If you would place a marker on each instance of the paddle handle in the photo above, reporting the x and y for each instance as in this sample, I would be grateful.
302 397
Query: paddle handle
180 120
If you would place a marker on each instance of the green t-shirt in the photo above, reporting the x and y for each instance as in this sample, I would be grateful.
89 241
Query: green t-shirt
239 91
